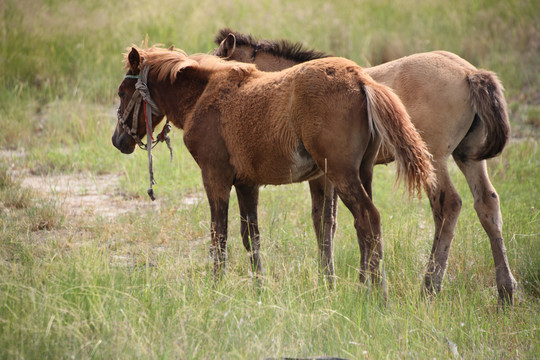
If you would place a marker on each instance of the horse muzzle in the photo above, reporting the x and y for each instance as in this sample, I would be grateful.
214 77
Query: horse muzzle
123 142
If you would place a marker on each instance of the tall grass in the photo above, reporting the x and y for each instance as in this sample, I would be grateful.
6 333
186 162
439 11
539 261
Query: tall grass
140 286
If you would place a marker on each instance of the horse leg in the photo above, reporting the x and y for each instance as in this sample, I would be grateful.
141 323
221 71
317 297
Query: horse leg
486 204
345 176
445 205
218 192
366 174
323 214
218 229
376 267
248 197
367 222
342 153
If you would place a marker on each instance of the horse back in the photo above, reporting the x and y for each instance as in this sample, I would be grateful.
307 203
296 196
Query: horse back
454 105
434 88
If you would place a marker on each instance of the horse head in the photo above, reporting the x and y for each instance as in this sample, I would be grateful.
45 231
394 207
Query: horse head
136 107
231 48
267 55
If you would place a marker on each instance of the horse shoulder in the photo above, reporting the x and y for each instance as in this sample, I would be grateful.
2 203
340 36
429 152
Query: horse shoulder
203 136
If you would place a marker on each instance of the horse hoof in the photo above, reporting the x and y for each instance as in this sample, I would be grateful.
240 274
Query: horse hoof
507 293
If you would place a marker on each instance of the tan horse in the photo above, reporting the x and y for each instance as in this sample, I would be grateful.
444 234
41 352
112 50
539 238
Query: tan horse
457 109
247 128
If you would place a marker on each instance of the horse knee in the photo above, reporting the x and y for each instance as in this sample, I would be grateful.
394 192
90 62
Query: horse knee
370 224
446 205
453 203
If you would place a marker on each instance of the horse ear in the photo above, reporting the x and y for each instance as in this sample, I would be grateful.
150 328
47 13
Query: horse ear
227 46
134 60
171 48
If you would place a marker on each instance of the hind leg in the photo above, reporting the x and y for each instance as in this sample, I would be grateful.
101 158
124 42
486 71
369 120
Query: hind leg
366 175
445 205
323 213
367 223
248 197
344 172
343 146
486 204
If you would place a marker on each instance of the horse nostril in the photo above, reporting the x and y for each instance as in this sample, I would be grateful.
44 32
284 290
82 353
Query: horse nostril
114 141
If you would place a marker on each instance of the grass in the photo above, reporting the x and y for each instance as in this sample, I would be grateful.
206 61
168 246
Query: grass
139 285
71 291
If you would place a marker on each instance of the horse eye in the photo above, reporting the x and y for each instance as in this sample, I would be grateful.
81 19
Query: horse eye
121 94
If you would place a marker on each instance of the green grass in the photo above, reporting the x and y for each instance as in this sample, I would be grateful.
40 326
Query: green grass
140 285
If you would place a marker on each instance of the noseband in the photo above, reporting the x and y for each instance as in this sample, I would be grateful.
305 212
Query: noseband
141 95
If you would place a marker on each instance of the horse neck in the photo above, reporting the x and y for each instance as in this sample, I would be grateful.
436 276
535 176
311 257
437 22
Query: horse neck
177 100
269 62
264 60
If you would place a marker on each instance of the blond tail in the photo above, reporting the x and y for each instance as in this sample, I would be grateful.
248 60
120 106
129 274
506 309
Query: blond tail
390 120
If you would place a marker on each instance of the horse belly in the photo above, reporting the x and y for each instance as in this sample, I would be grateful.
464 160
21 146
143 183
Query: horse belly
278 168
304 168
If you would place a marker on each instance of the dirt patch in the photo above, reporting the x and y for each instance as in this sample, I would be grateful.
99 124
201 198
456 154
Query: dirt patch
85 194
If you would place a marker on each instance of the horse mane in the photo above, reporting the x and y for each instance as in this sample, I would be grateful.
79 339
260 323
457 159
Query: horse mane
168 62
282 48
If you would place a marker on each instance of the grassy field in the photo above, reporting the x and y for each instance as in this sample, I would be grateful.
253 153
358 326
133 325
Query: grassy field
79 281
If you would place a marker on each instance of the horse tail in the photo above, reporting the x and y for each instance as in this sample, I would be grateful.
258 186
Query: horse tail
388 118
489 104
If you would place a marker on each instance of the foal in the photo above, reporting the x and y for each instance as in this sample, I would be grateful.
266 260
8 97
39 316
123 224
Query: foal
247 128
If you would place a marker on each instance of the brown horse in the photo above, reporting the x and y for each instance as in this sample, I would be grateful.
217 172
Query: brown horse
457 109
247 128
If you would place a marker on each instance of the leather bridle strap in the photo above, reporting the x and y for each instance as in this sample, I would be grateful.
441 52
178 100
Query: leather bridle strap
141 95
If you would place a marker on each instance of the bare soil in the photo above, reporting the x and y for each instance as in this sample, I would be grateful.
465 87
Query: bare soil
81 194
84 194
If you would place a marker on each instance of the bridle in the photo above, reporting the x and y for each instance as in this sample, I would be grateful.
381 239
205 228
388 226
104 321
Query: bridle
141 95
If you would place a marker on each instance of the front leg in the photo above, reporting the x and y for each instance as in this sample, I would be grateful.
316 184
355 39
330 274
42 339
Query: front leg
218 193
218 229
205 143
248 198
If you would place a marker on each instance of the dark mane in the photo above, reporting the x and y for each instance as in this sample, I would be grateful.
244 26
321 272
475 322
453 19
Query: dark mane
281 48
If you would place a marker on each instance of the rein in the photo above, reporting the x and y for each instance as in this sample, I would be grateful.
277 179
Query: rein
142 96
